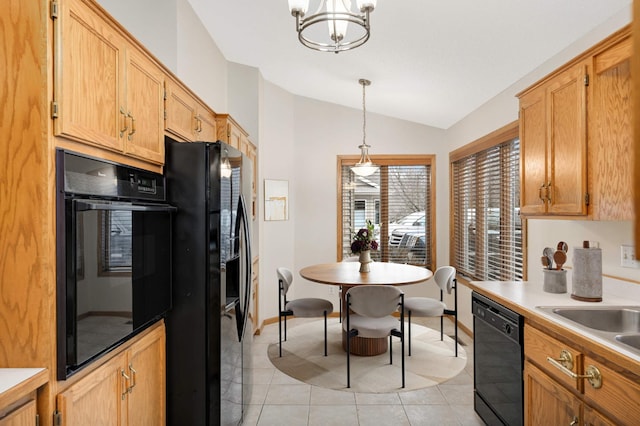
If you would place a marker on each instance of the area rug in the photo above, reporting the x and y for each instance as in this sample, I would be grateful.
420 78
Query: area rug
432 361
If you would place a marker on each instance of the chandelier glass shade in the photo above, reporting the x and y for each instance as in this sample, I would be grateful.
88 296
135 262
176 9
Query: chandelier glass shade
364 167
337 15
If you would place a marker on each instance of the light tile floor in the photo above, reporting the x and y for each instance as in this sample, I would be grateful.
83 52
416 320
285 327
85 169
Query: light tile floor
280 400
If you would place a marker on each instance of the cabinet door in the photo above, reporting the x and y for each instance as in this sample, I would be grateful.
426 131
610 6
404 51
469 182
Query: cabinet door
546 402
234 135
23 416
89 67
593 418
145 108
181 112
567 141
533 154
96 399
146 399
206 125
610 135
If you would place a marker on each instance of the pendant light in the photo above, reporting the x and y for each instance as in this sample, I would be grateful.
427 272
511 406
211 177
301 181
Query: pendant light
365 166
337 14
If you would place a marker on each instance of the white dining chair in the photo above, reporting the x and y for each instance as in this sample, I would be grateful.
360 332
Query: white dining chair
373 307
445 278
308 307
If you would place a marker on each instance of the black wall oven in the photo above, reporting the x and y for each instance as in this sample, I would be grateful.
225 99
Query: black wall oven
113 256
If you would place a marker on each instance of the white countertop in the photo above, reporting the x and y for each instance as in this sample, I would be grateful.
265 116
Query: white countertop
13 378
528 296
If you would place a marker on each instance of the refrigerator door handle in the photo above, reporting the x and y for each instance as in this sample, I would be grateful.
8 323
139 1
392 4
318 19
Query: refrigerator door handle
246 292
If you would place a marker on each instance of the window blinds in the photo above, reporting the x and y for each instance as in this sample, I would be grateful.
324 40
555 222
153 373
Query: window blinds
398 200
487 230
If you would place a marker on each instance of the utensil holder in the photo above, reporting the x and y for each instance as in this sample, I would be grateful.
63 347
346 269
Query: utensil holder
554 281
586 279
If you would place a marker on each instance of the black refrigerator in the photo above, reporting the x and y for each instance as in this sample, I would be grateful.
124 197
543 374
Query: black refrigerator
207 329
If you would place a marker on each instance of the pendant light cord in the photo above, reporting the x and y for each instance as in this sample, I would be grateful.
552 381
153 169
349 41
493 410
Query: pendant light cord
364 83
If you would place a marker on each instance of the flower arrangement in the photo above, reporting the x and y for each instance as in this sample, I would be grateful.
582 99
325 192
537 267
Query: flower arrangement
363 239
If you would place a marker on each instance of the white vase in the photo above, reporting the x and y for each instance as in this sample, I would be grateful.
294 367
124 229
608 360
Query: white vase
365 260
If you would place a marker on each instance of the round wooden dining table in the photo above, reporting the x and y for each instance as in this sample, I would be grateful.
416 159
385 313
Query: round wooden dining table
347 275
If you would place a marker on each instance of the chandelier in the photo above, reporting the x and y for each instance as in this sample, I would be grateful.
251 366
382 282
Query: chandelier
337 14
364 167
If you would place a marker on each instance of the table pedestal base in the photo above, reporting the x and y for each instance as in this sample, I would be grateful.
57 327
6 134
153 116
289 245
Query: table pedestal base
366 347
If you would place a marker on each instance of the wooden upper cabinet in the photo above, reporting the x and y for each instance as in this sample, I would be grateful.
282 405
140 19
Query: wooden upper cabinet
89 73
635 91
610 134
553 135
581 115
108 92
187 118
145 108
567 142
231 132
533 153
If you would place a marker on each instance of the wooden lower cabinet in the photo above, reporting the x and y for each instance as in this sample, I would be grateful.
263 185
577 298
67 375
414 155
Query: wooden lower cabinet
129 389
546 402
561 394
22 416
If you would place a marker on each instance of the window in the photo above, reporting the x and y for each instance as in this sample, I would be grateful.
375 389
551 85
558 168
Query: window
398 199
486 225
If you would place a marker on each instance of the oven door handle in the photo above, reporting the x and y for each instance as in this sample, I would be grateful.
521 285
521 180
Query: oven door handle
84 205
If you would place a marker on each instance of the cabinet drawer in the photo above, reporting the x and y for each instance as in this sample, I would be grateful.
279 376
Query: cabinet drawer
617 397
538 347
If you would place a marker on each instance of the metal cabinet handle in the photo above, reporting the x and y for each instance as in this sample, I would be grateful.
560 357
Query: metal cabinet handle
126 380
549 192
574 421
133 125
593 373
133 378
565 359
126 127
543 186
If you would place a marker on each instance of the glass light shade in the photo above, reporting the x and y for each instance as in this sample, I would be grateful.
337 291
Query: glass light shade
362 4
338 27
364 169
301 5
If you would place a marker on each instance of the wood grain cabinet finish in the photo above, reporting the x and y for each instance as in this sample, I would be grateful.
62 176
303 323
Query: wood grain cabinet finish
25 415
553 134
575 134
547 402
108 92
129 389
230 131
552 396
187 118
610 134
635 70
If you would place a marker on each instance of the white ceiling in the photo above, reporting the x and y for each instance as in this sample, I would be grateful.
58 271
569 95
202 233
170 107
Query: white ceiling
431 62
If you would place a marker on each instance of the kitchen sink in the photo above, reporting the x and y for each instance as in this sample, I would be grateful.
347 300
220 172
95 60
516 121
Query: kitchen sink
632 340
613 319
619 325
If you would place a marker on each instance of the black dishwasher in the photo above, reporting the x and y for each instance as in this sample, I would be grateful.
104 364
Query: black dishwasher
498 362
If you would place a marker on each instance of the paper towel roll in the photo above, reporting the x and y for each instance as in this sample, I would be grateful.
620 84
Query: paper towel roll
586 280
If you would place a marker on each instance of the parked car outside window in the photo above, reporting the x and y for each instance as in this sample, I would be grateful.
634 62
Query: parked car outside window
407 242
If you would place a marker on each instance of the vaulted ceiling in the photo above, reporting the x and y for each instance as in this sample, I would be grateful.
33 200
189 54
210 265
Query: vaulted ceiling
429 62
